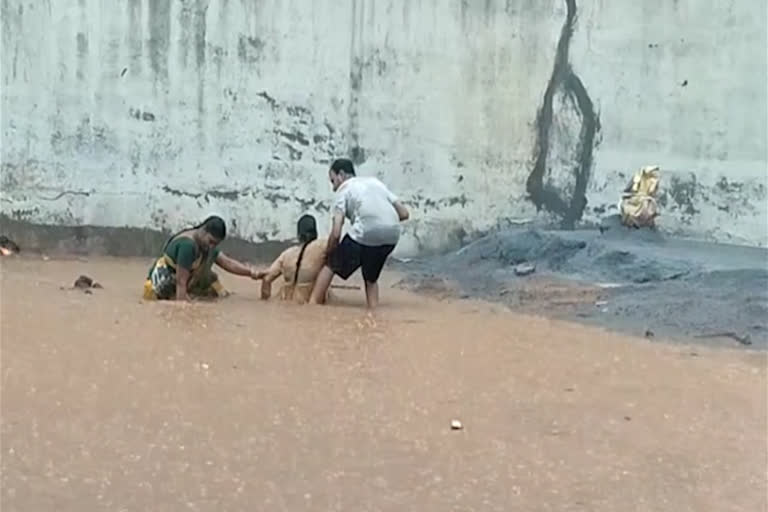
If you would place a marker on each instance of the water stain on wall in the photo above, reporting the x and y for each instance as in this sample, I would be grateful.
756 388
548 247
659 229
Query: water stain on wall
159 37
82 54
135 43
355 152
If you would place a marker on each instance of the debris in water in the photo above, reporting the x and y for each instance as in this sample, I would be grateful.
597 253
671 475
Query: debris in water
85 283
525 269
8 247
744 340
456 425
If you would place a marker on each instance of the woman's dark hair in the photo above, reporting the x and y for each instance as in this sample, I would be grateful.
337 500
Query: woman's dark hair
343 165
307 232
215 226
306 228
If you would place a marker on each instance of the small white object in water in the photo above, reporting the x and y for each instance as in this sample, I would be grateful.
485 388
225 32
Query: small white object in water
456 425
525 269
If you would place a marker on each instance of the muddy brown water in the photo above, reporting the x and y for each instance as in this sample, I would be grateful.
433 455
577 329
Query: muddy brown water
109 403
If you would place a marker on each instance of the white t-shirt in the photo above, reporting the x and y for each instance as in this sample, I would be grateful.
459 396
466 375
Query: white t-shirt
368 204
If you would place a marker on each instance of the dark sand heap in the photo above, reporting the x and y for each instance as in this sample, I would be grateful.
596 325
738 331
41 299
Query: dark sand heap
645 283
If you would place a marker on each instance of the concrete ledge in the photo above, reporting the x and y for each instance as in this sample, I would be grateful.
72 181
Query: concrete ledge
111 241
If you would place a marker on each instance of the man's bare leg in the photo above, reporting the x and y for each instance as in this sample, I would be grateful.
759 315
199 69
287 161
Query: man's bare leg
372 295
322 283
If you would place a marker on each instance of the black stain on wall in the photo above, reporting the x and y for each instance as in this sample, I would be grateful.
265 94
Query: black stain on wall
139 115
269 99
296 136
544 196
419 202
681 194
250 49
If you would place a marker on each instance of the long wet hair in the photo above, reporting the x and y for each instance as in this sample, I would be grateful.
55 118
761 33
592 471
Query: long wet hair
307 232
214 225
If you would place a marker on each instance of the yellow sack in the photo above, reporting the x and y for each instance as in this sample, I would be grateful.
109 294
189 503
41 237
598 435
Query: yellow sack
638 207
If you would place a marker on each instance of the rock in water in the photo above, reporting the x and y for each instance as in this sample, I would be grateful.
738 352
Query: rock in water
525 269
83 282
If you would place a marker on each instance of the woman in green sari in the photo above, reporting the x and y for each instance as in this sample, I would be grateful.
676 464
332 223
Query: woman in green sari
185 267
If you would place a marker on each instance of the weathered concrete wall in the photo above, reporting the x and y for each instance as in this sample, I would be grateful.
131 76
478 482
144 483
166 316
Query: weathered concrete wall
155 113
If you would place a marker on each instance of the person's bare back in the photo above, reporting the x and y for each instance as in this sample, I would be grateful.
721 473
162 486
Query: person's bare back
296 288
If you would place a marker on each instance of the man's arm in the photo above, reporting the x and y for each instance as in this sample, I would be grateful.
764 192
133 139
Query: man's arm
274 271
233 266
335 236
402 212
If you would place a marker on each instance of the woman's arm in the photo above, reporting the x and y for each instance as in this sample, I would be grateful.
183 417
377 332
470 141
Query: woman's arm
185 255
274 271
182 280
233 266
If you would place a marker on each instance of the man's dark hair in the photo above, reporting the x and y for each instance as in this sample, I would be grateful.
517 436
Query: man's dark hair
343 165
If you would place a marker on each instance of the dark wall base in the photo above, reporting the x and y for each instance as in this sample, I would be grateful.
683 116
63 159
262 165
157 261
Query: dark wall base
106 241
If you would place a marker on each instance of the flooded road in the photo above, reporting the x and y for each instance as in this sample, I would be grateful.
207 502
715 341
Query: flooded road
109 403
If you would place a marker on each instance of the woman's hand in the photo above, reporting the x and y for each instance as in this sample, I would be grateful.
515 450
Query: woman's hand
238 268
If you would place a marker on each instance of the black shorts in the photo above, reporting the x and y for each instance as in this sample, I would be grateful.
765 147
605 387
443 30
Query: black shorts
350 255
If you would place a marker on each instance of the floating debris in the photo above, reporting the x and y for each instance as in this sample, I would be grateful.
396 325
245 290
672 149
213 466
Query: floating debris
86 284
8 247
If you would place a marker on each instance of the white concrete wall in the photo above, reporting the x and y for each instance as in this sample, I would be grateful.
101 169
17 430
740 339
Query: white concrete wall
155 113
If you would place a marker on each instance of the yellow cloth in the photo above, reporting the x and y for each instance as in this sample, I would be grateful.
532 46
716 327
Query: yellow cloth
638 205
149 292
215 289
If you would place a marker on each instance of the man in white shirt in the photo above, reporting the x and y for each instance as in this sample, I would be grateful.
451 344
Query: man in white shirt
375 214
